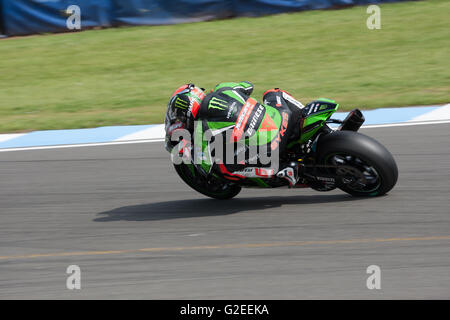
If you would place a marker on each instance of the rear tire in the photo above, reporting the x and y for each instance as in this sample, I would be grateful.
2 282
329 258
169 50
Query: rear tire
364 153
218 190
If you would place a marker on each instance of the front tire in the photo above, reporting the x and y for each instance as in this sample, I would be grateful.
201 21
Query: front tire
217 189
378 172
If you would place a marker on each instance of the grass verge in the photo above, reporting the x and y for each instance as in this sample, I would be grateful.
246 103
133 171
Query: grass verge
125 75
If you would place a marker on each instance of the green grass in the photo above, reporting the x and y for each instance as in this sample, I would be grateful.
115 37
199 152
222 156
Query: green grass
125 75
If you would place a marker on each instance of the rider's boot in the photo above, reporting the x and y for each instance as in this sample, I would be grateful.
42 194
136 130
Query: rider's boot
290 173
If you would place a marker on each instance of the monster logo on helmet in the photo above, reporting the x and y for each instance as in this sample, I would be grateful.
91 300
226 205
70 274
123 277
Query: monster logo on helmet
181 103
184 104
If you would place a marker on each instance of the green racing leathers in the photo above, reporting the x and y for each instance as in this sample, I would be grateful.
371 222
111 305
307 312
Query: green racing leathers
256 133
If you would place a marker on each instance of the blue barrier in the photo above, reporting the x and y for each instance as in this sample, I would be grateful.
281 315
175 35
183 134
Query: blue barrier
1 19
156 12
21 17
265 7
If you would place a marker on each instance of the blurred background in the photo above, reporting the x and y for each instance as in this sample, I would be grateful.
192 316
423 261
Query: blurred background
126 58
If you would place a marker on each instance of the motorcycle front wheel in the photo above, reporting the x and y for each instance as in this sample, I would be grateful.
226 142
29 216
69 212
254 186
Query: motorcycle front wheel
216 189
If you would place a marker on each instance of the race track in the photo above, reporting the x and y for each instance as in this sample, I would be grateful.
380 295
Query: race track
124 217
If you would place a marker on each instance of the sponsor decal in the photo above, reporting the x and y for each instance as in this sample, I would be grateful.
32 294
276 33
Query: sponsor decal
261 172
243 119
313 108
256 172
278 102
247 172
268 124
255 119
289 98
275 143
219 104
232 110
325 179
181 104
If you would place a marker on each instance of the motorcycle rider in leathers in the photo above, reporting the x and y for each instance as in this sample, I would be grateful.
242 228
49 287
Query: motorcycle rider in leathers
229 112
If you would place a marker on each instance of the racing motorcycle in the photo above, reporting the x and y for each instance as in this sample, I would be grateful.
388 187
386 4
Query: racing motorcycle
325 158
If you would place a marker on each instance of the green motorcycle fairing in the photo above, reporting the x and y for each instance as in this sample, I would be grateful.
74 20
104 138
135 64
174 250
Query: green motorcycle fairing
314 116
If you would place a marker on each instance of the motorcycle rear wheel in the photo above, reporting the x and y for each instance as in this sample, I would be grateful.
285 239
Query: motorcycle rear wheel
366 155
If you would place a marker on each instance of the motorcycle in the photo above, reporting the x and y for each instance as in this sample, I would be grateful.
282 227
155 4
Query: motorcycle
325 158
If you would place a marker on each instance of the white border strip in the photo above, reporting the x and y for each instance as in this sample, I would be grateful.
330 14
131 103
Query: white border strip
9 136
404 124
442 113
156 133
81 145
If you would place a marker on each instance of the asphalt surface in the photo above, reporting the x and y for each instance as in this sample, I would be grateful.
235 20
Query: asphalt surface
136 231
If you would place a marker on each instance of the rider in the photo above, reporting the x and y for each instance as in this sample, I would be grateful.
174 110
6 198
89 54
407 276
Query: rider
230 111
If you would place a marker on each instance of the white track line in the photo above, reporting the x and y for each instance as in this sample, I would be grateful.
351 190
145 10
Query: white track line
403 124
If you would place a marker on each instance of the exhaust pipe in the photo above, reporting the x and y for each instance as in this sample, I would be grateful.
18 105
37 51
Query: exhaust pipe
353 121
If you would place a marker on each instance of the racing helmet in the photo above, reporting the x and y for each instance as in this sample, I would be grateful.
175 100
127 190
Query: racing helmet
184 105
182 109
